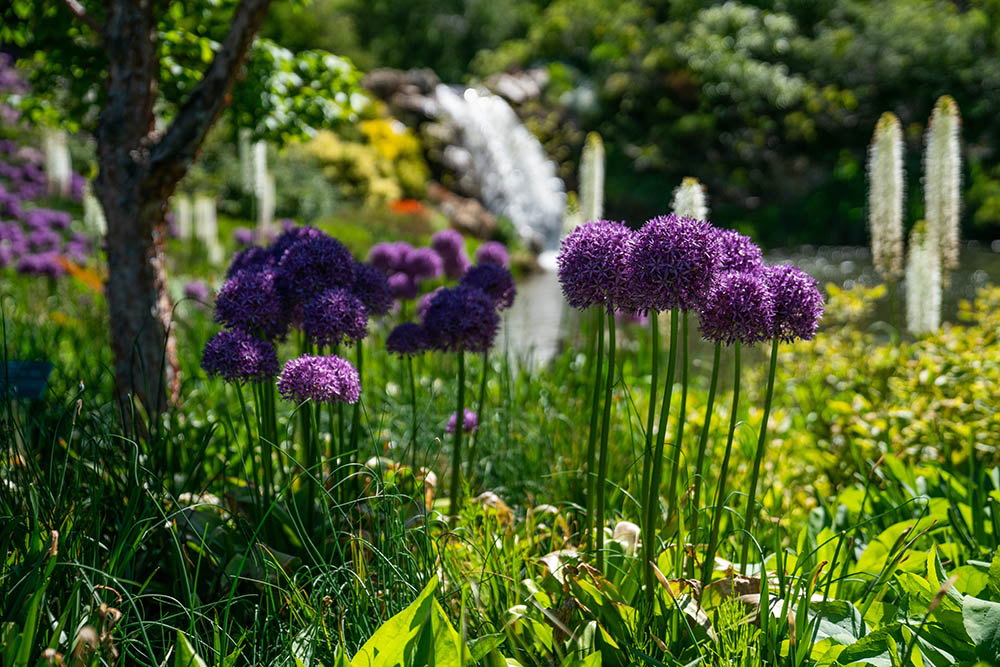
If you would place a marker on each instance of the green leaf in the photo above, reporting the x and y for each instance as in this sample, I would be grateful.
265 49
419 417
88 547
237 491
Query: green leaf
185 655
482 646
982 622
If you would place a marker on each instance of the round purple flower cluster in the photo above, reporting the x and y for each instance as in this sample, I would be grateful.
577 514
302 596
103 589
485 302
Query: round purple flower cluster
236 356
470 422
493 252
249 300
450 247
372 287
798 304
738 307
738 252
591 261
461 318
328 379
493 279
335 316
197 290
311 265
407 339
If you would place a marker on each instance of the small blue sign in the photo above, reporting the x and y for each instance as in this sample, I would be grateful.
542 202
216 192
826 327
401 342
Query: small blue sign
27 379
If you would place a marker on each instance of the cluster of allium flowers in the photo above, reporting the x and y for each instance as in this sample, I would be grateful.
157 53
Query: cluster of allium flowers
798 303
461 318
328 379
493 252
335 316
403 287
197 290
372 287
311 265
738 252
406 267
250 300
738 307
243 236
493 279
236 356
470 422
450 246
590 261
407 339
388 256
422 264
670 264
252 258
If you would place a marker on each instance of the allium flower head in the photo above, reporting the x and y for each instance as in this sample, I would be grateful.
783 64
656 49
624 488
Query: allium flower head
422 264
236 356
372 287
389 256
470 422
312 265
798 303
493 252
738 252
335 316
738 307
41 264
450 246
425 302
461 318
291 235
670 264
402 286
590 263
407 339
252 258
328 379
493 279
243 236
197 290
249 300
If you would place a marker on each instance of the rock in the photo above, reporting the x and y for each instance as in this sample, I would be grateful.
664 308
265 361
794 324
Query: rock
385 82
466 214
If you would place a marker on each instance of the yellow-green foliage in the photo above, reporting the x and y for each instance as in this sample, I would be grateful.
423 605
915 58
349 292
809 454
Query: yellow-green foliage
384 165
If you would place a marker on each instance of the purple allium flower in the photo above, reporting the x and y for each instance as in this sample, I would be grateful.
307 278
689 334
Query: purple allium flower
738 252
372 287
739 306
197 290
422 264
6 255
291 235
43 239
450 246
425 302
236 356
670 264
798 303
590 263
250 259
312 265
77 250
389 256
406 339
41 264
461 318
493 252
243 236
402 286
470 422
493 279
250 301
328 379
335 316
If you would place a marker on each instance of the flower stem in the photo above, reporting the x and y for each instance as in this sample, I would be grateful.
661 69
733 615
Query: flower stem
250 447
673 504
413 414
356 410
647 464
720 496
758 458
703 440
456 455
474 438
652 501
602 471
595 406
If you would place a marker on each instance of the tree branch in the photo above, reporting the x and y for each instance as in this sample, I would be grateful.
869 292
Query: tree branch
174 153
77 10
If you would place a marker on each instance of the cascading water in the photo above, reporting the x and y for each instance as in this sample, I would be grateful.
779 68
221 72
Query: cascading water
505 164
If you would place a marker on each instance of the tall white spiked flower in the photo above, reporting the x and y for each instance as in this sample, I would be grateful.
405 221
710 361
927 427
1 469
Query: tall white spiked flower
58 169
592 178
923 282
206 227
885 196
572 217
943 180
689 200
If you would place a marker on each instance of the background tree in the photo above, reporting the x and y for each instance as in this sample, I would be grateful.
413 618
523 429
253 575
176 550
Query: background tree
149 79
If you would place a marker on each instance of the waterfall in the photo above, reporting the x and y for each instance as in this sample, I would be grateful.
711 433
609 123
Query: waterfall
504 164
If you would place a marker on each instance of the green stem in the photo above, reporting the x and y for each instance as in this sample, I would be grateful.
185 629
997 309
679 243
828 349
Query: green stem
673 504
758 458
647 464
720 496
356 410
652 501
309 459
456 455
595 406
413 414
703 440
474 439
250 448
602 471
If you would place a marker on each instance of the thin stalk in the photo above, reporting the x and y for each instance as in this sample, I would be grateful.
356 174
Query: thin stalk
309 458
250 447
703 440
474 438
758 458
413 414
602 471
652 501
356 410
595 406
456 455
647 464
673 504
720 496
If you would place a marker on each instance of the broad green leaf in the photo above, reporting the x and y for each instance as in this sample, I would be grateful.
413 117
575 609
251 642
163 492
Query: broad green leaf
185 655
982 622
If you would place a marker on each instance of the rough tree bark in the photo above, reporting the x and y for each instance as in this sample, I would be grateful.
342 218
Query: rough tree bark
138 172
